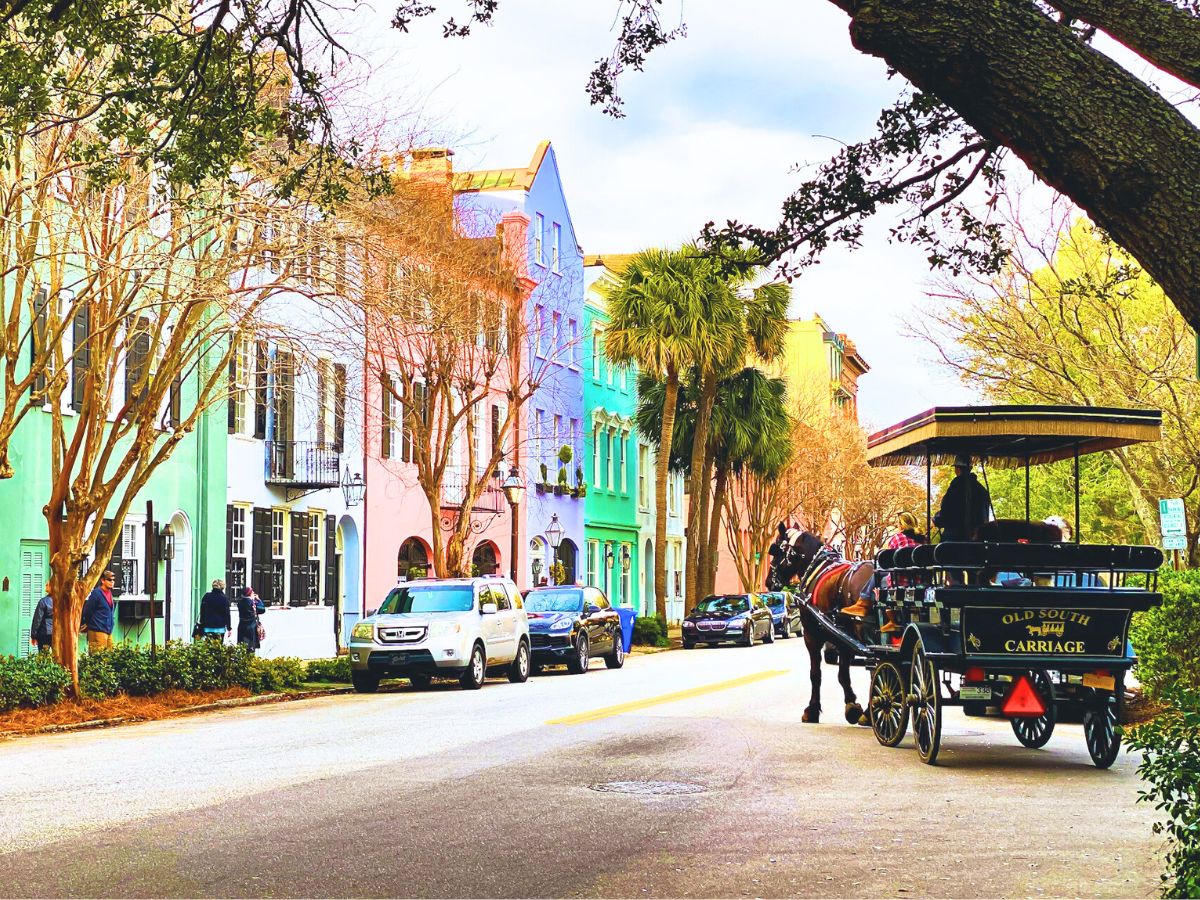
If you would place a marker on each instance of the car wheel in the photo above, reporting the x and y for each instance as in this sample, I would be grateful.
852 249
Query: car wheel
784 632
770 636
364 682
420 681
578 664
616 659
472 679
689 645
518 672
748 637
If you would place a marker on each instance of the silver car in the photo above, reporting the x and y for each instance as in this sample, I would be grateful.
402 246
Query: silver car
447 627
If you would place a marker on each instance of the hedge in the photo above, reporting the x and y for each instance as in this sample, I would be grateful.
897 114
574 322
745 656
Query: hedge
133 670
1167 638
650 631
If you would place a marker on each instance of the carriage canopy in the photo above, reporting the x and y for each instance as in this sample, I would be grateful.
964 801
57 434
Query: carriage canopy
1009 436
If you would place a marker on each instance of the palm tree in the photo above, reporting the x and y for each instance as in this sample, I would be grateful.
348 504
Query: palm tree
660 322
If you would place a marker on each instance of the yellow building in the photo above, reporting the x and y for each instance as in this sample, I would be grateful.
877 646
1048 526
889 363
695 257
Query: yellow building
820 365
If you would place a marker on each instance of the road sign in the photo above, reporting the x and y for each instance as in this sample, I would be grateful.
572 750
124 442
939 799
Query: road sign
1174 541
1173 519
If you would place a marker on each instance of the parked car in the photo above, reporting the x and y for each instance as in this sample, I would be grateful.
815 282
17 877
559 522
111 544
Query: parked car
443 627
739 618
785 613
570 625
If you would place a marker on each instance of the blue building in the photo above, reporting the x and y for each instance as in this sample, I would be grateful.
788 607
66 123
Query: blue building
552 422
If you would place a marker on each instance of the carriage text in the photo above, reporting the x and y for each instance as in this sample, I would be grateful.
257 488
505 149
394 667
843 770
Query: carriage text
1062 615
1044 646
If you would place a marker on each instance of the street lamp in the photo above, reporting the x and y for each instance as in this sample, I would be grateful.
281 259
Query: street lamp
514 493
353 489
554 534
166 543
625 558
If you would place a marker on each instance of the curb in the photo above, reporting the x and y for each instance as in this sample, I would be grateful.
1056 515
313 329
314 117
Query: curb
231 703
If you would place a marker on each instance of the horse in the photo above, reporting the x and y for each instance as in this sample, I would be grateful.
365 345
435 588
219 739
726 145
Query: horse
829 583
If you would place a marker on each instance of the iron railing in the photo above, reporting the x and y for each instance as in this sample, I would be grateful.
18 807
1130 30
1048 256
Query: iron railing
306 464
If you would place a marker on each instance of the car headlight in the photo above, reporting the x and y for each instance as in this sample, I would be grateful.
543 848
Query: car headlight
736 622
689 624
562 625
444 629
363 631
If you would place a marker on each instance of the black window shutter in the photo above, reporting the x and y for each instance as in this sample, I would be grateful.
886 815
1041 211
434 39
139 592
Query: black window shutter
299 579
339 407
331 572
80 330
150 564
260 578
175 400
232 423
260 390
229 578
385 446
322 400
114 561
137 357
37 346
495 427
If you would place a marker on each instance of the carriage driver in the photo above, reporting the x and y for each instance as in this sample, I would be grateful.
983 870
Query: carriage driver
965 506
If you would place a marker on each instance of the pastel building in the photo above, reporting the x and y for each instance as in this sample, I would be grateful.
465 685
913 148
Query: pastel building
551 450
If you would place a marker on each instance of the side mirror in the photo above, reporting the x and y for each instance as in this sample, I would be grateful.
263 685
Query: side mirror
488 609
590 609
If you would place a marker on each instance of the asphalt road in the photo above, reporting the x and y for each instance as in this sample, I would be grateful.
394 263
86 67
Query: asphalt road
493 794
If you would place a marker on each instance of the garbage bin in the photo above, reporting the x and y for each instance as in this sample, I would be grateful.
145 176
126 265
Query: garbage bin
627 614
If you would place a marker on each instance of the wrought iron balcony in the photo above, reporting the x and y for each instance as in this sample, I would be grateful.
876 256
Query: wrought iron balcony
304 465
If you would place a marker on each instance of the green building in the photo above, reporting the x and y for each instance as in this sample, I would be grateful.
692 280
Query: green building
187 493
610 461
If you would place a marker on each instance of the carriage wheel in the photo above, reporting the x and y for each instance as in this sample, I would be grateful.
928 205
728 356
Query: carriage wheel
1034 733
888 705
927 706
1101 727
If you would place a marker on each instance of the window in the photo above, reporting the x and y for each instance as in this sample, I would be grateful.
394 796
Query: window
671 491
555 335
539 239
596 333
572 439
593 562
237 549
573 334
596 457
137 361
626 554
278 517
237 537
481 456
555 245
322 401
278 556
260 389
624 378
316 553
560 438
608 373
497 418
539 424
131 554
339 407
239 388
538 324
624 475
609 446
643 470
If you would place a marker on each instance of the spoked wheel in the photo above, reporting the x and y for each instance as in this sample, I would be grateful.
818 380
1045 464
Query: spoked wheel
1034 733
888 706
1101 726
927 706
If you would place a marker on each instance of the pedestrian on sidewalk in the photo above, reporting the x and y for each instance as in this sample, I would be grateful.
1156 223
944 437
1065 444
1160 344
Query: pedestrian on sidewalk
41 632
215 621
250 631
98 614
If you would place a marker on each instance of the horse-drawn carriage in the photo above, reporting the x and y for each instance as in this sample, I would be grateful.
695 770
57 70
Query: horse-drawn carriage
1016 620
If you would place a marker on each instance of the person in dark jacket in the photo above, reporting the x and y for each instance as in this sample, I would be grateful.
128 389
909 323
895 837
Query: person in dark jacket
41 631
98 614
215 621
966 505
248 609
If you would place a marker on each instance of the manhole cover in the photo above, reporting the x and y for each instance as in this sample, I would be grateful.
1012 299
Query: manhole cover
657 788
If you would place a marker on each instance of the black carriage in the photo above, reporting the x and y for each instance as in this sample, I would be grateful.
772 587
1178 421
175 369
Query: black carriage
1014 622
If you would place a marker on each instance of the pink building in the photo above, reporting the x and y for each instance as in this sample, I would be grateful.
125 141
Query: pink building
398 522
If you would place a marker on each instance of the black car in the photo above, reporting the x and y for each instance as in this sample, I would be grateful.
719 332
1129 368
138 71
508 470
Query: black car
569 625
740 618
785 612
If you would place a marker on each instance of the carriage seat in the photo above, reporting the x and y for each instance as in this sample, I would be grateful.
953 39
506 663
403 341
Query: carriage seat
1018 531
974 556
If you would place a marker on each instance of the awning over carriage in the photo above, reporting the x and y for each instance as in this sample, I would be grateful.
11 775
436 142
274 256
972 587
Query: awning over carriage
1009 436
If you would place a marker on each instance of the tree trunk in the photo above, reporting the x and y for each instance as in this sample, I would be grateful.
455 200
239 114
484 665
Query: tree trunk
1081 122
706 549
709 573
697 526
661 466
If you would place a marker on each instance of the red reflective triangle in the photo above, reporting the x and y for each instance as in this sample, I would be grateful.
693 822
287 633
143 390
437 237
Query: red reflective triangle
1023 701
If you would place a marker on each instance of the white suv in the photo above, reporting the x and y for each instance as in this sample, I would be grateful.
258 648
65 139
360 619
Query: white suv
457 627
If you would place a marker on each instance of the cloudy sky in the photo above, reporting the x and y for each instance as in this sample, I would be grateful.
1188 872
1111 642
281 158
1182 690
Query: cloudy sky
714 129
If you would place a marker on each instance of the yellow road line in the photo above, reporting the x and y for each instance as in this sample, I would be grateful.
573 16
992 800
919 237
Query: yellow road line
607 711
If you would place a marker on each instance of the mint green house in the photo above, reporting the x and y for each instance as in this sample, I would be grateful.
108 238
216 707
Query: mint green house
187 493
610 458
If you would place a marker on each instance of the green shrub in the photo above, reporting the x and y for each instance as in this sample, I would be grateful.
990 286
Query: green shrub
270 675
337 669
97 678
650 631
1170 767
33 681
1167 639
139 673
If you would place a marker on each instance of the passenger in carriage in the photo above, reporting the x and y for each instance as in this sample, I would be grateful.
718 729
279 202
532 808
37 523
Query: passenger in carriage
906 533
966 505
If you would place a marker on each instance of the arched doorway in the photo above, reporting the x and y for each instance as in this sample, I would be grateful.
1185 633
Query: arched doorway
568 555
412 556
179 573
349 598
538 567
486 558
648 578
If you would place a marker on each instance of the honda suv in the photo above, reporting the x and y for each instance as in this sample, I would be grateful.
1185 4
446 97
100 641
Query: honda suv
443 627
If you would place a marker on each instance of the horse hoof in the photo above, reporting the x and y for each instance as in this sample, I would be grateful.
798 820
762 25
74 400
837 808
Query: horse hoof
854 713
864 721
811 717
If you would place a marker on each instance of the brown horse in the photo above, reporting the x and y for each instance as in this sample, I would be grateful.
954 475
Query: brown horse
830 584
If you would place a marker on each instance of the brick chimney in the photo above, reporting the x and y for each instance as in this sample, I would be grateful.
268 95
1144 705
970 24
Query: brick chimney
432 163
513 232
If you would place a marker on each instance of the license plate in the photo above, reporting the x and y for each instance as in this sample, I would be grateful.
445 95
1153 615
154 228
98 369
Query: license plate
975 692
1103 682
399 658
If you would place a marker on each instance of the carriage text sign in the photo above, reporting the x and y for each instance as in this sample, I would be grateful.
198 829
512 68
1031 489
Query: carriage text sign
1005 631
